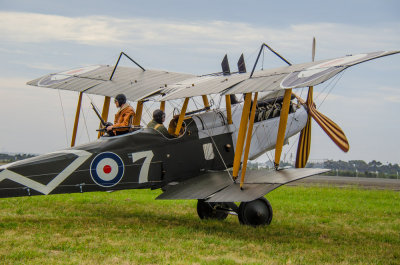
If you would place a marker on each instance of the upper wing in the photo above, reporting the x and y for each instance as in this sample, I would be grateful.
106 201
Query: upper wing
294 76
137 84
321 71
134 83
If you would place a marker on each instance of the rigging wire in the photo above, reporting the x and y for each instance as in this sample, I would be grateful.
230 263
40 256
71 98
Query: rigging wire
222 159
148 112
84 120
252 54
215 145
268 133
65 124
194 102
209 131
331 81
330 90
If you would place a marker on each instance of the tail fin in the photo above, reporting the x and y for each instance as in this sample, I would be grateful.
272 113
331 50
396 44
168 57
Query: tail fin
225 65
241 65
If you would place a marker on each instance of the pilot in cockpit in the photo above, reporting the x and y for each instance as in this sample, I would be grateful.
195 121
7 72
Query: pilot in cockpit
123 118
157 123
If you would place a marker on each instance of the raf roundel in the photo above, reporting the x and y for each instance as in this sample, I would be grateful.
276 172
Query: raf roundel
107 169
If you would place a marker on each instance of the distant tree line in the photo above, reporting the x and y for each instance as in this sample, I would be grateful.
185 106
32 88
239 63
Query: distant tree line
352 168
359 168
8 158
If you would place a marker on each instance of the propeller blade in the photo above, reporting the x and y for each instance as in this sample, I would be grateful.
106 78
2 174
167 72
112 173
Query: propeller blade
303 148
313 49
331 128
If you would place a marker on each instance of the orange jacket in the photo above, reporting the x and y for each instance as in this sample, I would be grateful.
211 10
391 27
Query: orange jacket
123 116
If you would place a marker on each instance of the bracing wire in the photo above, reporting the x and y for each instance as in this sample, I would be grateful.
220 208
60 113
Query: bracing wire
252 55
84 120
195 103
268 133
148 112
210 132
65 123
222 159
329 84
87 95
330 90
216 147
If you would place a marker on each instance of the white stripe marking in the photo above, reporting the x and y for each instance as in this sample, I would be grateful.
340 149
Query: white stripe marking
46 189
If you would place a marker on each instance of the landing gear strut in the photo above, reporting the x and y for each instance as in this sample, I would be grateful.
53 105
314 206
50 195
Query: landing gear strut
211 210
254 213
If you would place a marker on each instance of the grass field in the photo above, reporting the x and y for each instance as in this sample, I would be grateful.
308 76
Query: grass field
311 225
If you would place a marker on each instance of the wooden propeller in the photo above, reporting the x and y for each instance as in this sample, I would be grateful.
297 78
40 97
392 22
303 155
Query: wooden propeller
330 128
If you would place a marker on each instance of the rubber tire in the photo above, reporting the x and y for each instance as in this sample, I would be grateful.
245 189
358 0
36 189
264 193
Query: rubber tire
206 210
255 213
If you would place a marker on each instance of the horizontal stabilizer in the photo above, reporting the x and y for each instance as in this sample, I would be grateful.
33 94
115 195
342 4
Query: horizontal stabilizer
218 187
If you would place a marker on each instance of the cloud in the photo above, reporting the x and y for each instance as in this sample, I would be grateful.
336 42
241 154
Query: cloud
12 83
390 94
105 31
360 112
31 27
40 65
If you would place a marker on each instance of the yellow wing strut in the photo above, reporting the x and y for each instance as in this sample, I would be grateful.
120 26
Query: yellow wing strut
138 116
104 112
205 101
282 126
162 106
181 116
78 111
241 135
228 109
248 139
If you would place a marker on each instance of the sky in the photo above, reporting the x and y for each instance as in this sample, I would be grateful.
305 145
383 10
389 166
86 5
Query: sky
41 37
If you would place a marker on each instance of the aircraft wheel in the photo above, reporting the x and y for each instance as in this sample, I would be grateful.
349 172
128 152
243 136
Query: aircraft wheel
255 213
209 210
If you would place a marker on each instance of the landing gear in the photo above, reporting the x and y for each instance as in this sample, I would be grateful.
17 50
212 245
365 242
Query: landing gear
211 210
254 213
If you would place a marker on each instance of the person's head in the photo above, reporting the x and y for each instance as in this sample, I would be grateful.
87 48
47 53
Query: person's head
120 100
159 116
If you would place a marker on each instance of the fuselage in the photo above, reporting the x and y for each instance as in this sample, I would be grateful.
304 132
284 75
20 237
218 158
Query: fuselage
144 158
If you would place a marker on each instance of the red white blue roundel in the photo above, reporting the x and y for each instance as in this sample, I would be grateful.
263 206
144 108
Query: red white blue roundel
107 169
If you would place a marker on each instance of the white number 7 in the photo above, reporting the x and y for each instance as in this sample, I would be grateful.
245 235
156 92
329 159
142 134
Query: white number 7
144 171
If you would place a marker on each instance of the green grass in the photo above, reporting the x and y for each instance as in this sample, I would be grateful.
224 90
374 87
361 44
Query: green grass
311 225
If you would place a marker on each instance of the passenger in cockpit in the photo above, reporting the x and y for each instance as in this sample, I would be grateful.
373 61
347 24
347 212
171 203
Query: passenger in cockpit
157 123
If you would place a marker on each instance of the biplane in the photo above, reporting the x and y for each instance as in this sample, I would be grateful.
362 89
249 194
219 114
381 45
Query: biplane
206 160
